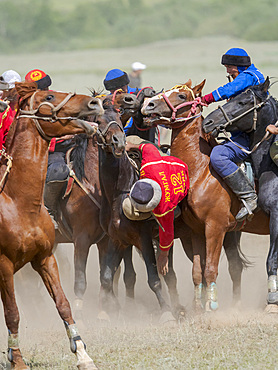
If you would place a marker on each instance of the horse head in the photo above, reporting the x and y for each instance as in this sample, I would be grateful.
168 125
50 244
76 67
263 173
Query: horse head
168 107
56 113
110 133
239 113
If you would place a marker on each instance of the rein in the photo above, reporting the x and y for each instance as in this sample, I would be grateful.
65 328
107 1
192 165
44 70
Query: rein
9 165
229 122
31 113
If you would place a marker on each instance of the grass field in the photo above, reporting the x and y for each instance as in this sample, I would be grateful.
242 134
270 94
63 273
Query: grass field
245 339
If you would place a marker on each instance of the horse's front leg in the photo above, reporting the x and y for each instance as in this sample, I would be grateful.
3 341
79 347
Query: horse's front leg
109 263
146 247
272 263
11 313
48 270
171 281
214 241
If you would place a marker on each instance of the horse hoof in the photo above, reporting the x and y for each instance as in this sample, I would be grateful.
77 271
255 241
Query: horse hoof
271 308
88 366
272 298
167 319
211 306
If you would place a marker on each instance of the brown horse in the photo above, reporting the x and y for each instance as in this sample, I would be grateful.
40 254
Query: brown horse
210 206
27 232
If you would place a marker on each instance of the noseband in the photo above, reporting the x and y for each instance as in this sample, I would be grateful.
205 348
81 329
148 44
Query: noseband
102 134
31 113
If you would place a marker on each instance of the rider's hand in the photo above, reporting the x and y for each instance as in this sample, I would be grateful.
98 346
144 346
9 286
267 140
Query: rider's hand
207 99
162 262
272 129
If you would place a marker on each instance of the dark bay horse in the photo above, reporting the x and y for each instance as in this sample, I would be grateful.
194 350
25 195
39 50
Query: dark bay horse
117 176
210 206
27 232
251 111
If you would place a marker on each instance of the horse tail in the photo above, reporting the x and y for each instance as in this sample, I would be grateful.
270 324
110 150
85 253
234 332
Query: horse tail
78 155
234 253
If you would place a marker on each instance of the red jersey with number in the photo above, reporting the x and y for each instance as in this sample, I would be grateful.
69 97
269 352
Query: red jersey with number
6 119
172 175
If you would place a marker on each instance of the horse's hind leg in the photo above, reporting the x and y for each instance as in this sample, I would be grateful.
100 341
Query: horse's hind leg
11 312
48 270
236 263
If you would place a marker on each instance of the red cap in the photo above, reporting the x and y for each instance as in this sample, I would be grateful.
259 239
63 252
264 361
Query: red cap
40 77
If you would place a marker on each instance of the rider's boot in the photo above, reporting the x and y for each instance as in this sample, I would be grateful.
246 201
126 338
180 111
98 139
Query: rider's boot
52 193
241 186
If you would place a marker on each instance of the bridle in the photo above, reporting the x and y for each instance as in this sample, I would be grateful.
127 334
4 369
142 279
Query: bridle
229 122
103 134
254 108
193 103
32 113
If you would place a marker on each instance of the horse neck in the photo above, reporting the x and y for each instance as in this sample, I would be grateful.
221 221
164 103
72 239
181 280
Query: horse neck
260 158
116 175
190 144
25 181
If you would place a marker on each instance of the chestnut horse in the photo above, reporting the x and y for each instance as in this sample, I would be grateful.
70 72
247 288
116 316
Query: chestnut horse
27 232
210 206
251 111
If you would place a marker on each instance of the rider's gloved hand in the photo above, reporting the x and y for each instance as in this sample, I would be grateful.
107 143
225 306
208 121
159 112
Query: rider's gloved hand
208 99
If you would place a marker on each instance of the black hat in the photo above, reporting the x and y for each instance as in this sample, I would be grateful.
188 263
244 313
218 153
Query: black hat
115 79
236 57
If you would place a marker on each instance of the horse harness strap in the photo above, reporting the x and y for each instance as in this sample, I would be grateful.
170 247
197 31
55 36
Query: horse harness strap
102 134
75 178
9 165
53 118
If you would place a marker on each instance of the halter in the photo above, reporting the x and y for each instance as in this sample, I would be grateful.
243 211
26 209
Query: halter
102 134
31 113
255 108
194 103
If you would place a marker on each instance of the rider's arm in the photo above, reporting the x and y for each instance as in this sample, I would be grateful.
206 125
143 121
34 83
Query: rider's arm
272 129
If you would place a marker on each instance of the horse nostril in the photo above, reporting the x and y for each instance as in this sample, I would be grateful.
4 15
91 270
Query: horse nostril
115 139
93 103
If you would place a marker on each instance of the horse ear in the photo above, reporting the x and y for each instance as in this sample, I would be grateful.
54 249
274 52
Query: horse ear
266 84
198 89
25 88
189 83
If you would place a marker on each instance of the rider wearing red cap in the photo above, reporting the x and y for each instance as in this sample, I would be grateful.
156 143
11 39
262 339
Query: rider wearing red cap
40 77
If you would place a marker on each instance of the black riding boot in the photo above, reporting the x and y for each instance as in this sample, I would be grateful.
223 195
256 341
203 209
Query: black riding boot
52 193
241 186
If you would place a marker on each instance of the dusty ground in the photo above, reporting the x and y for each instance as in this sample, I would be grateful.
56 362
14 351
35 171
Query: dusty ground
230 339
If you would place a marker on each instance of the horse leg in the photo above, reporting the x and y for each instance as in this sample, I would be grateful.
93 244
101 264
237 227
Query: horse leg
171 281
48 270
214 242
272 262
109 264
198 266
154 282
81 252
11 313
231 246
129 273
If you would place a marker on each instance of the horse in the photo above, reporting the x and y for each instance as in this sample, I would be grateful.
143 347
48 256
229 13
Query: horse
27 232
210 206
117 175
251 111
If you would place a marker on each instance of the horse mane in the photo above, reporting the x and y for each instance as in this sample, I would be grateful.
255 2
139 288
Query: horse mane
259 92
78 155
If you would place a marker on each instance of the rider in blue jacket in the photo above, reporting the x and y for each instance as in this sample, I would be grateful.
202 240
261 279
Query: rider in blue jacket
117 79
224 158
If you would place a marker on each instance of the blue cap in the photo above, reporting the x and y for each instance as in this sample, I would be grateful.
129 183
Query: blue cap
236 57
115 79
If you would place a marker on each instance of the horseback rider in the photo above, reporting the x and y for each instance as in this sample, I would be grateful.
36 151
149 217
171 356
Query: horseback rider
116 79
7 83
163 183
57 170
224 158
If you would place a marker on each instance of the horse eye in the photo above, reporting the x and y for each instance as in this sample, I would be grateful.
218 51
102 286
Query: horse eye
183 97
49 97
